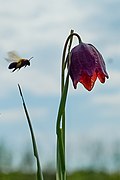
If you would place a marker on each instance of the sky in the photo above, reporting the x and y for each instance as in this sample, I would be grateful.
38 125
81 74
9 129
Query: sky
39 29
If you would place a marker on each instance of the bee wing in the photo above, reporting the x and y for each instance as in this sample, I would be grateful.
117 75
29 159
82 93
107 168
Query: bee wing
13 56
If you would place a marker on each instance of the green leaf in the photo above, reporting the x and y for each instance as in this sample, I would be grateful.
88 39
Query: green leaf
39 172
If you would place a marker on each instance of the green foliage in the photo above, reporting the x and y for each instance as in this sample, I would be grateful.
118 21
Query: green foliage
78 175
25 176
5 158
17 176
27 162
93 175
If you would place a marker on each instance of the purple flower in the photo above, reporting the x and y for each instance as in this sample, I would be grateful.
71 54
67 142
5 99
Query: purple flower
86 65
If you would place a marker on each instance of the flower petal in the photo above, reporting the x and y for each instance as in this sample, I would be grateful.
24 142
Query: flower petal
88 81
86 65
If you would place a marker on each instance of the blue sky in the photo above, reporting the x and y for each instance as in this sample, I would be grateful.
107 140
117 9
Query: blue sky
39 29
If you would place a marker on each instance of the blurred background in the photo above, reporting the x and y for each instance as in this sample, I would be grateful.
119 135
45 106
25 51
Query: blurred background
39 29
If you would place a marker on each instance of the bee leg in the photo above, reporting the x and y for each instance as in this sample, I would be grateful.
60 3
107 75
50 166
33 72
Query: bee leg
14 69
18 68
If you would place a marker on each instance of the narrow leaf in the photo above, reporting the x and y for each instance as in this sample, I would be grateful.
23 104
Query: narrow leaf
39 172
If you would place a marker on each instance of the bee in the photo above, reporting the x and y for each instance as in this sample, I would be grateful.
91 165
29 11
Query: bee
17 61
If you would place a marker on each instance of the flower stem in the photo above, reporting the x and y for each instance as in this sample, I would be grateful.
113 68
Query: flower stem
63 85
60 125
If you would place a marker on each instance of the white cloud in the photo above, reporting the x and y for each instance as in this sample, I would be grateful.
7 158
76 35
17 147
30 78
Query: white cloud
108 99
48 23
17 114
39 24
32 80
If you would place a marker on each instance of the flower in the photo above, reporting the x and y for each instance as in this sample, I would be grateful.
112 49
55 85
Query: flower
86 64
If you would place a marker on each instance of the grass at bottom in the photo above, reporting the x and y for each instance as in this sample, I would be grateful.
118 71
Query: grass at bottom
78 175
17 176
93 175
25 176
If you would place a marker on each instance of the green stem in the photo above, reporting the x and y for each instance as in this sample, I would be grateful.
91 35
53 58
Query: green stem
60 125
62 86
59 130
64 50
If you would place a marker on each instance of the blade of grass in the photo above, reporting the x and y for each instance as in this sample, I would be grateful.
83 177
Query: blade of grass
39 172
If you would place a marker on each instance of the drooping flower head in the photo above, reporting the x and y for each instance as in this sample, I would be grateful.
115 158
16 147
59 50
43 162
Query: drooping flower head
86 64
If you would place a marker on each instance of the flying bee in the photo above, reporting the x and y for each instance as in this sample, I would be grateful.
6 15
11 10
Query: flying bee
17 62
